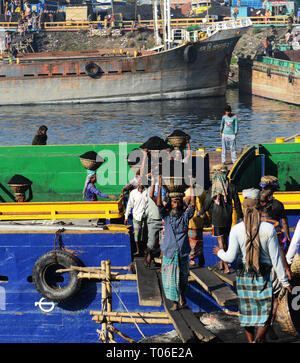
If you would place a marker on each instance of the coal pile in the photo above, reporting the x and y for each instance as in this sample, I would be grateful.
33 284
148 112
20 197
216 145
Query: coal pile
19 179
155 143
91 155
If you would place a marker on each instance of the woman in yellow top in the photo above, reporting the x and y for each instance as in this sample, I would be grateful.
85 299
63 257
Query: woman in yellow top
196 224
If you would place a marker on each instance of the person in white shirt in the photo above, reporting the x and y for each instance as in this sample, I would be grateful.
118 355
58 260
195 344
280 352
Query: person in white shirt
294 246
138 204
256 245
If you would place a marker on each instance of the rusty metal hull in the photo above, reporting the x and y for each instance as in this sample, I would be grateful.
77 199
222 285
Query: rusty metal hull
269 81
171 74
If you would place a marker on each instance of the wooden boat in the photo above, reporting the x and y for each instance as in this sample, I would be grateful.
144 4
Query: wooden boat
270 78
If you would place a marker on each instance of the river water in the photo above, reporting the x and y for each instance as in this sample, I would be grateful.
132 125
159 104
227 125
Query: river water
261 121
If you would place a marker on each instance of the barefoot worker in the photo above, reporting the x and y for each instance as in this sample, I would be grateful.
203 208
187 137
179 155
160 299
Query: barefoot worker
221 199
256 245
175 247
90 191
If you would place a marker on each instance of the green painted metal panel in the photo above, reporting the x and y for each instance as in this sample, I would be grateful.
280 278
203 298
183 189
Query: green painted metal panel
57 173
283 161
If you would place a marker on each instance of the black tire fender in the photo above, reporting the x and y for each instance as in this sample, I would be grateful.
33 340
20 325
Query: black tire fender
93 70
45 278
190 54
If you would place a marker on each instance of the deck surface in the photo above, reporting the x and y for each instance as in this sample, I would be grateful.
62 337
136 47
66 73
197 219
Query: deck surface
147 283
218 289
189 328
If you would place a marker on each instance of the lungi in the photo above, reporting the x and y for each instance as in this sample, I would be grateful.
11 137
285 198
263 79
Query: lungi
175 273
255 298
196 242
138 229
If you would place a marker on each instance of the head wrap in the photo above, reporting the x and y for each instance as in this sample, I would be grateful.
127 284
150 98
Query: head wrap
219 183
90 174
252 222
269 181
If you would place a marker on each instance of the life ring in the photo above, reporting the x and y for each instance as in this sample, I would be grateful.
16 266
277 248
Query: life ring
93 70
190 54
46 280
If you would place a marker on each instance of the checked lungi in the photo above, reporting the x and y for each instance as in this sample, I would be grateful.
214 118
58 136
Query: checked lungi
255 295
175 273
196 242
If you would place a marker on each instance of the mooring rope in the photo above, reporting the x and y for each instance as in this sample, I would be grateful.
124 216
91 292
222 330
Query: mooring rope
138 328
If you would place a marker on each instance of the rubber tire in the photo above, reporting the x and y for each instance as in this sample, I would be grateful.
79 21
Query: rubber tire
89 67
190 54
47 261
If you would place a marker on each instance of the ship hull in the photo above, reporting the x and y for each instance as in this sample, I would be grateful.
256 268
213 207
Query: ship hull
171 74
270 81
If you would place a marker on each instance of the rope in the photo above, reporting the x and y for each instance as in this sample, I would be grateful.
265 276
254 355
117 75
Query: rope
138 328
58 241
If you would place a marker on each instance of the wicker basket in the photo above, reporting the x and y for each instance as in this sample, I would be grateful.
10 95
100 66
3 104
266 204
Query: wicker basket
179 142
283 315
90 164
175 186
19 188
295 266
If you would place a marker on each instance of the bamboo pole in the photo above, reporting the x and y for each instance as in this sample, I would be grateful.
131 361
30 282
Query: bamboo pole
157 314
99 332
122 335
121 319
100 275
103 304
291 137
109 295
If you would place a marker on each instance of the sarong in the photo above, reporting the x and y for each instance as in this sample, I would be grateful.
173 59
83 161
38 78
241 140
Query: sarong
138 229
196 242
255 298
175 273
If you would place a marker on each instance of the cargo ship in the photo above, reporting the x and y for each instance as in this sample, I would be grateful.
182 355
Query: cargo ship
52 247
190 65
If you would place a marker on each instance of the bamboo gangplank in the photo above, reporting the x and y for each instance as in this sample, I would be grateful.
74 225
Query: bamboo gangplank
121 319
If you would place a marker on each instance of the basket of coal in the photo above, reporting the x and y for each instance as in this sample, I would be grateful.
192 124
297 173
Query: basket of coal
173 179
91 160
19 184
287 314
155 143
178 139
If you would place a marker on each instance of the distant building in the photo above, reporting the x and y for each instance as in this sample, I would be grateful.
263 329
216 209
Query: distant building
183 5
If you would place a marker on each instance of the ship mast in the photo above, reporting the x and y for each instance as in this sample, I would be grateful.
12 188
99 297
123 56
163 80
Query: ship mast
166 23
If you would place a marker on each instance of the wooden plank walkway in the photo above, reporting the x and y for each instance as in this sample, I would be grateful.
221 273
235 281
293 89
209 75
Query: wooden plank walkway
147 283
222 293
230 278
188 326
215 158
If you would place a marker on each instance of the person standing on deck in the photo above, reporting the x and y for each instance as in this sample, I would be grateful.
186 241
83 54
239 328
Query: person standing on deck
90 192
41 136
219 199
175 247
138 204
277 211
256 245
228 132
